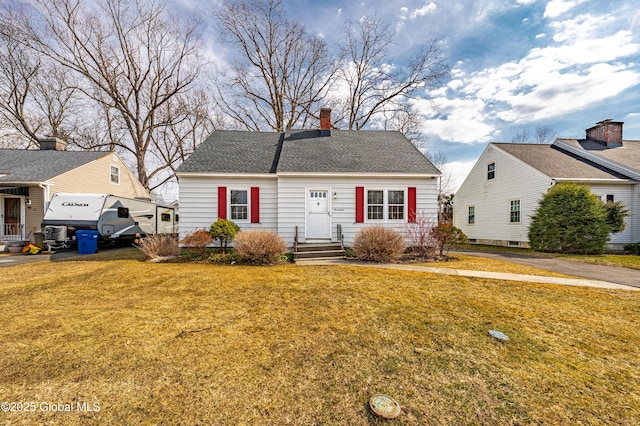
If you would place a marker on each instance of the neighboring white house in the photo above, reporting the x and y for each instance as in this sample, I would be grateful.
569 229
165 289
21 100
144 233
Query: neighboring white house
495 203
317 182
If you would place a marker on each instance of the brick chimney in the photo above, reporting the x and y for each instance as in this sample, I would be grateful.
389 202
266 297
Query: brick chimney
606 131
325 122
52 143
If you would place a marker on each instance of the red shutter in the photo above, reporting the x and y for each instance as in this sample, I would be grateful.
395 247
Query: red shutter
255 204
412 205
359 204
222 202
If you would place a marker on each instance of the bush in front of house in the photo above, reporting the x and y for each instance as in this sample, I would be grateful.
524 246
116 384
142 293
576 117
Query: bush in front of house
419 233
224 231
616 214
199 239
158 245
632 248
446 236
569 219
378 244
259 247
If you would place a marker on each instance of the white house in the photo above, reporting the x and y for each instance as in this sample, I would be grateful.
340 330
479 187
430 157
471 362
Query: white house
495 203
322 184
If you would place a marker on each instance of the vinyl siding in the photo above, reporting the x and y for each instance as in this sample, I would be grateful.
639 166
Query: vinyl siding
628 194
94 178
292 192
199 202
513 180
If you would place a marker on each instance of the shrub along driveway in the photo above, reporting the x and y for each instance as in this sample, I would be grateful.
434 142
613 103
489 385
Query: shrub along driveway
611 274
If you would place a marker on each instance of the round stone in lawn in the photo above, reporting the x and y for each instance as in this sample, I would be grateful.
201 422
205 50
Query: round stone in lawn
384 406
499 335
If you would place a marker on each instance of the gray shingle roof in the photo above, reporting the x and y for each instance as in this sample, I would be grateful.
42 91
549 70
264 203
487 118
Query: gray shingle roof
555 163
305 151
628 154
37 166
230 151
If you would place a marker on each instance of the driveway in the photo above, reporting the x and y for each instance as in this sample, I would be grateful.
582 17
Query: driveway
611 274
20 259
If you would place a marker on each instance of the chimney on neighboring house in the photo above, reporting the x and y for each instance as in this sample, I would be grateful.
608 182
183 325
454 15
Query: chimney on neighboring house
52 143
325 122
606 131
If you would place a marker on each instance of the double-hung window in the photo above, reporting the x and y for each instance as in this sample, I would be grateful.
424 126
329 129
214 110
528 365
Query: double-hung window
114 175
514 216
386 204
395 205
239 204
375 205
491 171
471 218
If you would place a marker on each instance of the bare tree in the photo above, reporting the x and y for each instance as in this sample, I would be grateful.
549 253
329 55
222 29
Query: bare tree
281 75
130 57
544 134
36 98
376 85
522 136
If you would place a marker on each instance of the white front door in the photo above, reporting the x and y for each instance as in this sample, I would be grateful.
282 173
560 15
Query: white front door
319 220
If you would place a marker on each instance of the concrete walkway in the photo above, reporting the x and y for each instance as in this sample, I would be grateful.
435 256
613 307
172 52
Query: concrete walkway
477 274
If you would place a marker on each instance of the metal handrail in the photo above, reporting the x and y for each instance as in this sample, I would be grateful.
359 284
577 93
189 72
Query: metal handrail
295 242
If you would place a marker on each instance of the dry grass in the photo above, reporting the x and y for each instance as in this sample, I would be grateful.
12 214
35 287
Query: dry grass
475 263
622 260
204 344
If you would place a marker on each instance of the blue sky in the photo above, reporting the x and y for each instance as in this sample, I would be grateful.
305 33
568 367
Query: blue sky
515 64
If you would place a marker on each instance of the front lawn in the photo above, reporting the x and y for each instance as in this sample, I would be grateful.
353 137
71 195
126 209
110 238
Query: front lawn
180 343
621 260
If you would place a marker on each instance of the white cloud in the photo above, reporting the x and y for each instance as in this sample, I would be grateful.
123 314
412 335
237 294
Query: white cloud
424 10
584 68
459 120
541 35
454 174
556 8
525 1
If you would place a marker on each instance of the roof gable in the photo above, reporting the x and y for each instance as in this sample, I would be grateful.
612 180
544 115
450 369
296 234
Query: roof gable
38 166
307 151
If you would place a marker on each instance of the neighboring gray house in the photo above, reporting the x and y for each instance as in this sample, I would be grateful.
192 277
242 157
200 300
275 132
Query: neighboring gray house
29 178
312 181
495 203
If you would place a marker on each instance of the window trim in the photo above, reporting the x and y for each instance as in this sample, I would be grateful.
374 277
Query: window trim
230 211
385 205
471 218
519 211
492 171
113 167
